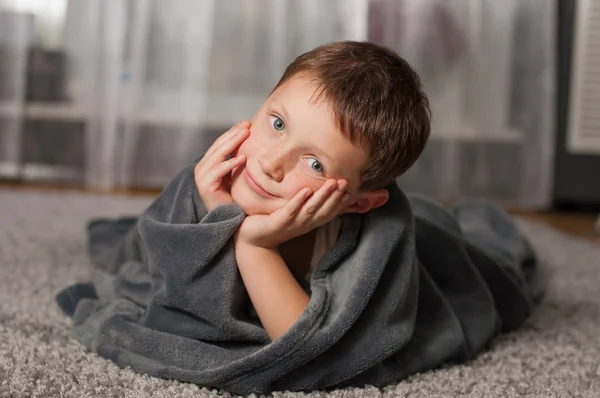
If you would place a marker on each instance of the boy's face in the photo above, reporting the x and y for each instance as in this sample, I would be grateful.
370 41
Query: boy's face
294 143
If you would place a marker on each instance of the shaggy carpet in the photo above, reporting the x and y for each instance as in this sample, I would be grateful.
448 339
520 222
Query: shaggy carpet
42 249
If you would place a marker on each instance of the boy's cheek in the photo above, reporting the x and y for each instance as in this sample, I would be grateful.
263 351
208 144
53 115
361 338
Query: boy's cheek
298 182
242 149
251 146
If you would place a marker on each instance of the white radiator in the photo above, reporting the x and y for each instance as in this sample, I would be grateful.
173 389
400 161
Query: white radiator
583 134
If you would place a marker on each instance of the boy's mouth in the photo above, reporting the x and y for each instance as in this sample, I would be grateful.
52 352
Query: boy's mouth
254 185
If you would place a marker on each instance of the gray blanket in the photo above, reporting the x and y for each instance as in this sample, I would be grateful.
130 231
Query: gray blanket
407 287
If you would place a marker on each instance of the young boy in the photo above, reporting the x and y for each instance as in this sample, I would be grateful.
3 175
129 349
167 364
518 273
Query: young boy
344 121
208 285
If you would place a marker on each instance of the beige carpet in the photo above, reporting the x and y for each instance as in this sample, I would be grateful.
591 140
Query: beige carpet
42 249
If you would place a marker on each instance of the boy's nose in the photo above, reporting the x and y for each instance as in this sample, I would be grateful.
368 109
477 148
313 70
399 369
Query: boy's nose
271 163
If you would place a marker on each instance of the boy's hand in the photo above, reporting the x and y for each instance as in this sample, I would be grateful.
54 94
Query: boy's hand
212 173
303 213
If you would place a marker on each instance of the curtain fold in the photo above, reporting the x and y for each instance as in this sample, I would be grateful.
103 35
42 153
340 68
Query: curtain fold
15 38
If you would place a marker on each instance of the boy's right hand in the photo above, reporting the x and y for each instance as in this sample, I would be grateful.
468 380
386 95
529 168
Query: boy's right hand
212 172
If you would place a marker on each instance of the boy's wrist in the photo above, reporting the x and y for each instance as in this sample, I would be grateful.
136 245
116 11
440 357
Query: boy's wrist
241 241
249 250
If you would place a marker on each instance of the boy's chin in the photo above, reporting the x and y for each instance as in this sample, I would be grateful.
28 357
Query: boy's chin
253 211
250 206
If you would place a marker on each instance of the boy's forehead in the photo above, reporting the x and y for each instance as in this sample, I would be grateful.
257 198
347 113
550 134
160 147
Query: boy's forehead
300 87
299 108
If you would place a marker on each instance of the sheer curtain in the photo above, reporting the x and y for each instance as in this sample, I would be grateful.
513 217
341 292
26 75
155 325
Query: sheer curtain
15 36
488 67
147 85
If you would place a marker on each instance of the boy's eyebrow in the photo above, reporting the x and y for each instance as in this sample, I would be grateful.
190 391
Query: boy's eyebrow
279 105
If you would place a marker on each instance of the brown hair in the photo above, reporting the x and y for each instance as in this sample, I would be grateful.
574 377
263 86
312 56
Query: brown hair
377 100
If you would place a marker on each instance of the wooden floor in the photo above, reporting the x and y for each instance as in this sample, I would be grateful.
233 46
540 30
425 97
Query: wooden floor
576 224
580 225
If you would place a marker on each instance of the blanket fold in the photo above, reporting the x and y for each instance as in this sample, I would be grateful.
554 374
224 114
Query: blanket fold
407 287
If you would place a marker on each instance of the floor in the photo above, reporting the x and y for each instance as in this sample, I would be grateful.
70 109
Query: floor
581 225
578 224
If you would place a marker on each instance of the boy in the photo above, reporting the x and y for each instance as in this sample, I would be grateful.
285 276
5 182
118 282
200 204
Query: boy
209 284
344 120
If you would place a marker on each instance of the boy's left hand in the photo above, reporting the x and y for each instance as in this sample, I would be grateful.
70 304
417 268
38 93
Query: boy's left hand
303 213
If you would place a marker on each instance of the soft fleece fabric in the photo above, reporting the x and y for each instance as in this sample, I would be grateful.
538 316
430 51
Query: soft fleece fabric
407 287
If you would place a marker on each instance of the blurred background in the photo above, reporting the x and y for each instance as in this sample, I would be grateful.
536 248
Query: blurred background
121 94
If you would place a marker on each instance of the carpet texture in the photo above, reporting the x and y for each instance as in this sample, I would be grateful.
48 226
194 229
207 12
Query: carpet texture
42 249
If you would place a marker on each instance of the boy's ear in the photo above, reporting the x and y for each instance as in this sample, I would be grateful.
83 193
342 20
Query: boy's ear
367 201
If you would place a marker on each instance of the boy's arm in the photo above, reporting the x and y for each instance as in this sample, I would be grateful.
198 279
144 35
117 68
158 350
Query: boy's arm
277 298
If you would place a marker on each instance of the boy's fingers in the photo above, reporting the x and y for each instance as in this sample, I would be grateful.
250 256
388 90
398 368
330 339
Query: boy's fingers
291 209
316 201
229 145
332 206
333 203
220 170
222 138
227 136
232 131
219 154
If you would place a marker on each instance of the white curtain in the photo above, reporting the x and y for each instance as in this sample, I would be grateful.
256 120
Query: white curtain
149 84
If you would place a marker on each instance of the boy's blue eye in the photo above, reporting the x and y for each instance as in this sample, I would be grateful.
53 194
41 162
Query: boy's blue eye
316 165
277 123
